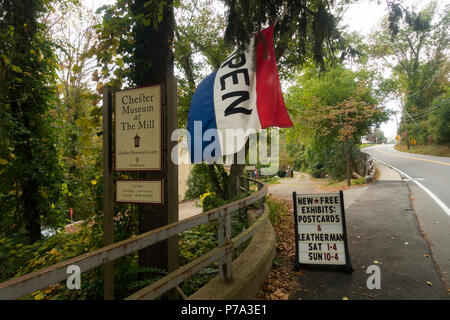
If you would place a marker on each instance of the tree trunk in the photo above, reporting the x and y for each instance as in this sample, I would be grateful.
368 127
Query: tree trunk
213 176
348 162
235 171
406 132
24 13
31 212
153 64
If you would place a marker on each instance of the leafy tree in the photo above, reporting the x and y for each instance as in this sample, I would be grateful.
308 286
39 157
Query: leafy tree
438 119
310 24
199 49
376 136
414 46
140 35
337 106
77 115
30 171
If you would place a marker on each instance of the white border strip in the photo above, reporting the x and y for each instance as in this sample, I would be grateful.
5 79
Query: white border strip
431 194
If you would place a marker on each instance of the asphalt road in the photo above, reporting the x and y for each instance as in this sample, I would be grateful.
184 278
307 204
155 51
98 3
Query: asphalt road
383 232
432 172
428 179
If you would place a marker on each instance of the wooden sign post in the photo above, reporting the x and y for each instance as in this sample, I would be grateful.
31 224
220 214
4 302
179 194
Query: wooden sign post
108 195
320 232
143 121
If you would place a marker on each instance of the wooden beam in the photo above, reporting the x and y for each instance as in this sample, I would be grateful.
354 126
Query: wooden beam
108 192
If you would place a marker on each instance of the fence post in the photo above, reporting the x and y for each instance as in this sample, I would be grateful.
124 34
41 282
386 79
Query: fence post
260 202
238 185
108 193
224 238
226 265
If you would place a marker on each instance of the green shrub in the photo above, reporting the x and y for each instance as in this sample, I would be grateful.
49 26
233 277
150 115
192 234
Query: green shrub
197 241
281 173
201 177
316 172
358 181
276 208
210 200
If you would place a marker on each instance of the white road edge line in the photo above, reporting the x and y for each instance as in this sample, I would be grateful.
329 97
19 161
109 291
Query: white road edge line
431 194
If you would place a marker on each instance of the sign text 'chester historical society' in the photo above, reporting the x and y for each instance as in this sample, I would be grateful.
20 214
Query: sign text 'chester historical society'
138 142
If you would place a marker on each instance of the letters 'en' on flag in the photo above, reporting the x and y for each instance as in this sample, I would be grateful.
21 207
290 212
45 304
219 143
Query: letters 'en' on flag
240 97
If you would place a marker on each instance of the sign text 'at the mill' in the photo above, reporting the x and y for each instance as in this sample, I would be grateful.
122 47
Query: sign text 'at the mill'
138 129
138 142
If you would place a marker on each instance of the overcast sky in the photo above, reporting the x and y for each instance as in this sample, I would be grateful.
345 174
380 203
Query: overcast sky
361 17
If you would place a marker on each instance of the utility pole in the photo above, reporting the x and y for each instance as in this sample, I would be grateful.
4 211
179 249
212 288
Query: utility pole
404 123
396 120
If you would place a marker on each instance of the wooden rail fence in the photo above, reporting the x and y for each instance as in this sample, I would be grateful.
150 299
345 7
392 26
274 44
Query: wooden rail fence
29 283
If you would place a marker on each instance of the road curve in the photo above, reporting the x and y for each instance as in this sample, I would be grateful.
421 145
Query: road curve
431 172
428 179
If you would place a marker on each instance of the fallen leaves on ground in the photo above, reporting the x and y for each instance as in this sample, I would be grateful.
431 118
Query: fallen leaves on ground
282 280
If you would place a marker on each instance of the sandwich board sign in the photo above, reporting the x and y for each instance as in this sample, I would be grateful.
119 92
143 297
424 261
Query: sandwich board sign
320 232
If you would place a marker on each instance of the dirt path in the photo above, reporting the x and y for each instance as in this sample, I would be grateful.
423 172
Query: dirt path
188 209
304 183
301 183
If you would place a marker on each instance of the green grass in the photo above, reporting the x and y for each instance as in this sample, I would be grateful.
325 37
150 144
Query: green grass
276 208
365 145
431 150
343 183
271 180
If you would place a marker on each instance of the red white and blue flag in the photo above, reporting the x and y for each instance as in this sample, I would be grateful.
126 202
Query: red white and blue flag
241 96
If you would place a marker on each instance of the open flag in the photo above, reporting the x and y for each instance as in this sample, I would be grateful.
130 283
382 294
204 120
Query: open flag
240 98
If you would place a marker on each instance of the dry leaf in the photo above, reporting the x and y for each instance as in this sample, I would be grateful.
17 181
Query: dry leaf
429 283
285 296
278 293
273 297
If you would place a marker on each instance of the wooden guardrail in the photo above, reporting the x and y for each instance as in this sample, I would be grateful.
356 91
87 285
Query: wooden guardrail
370 170
29 283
